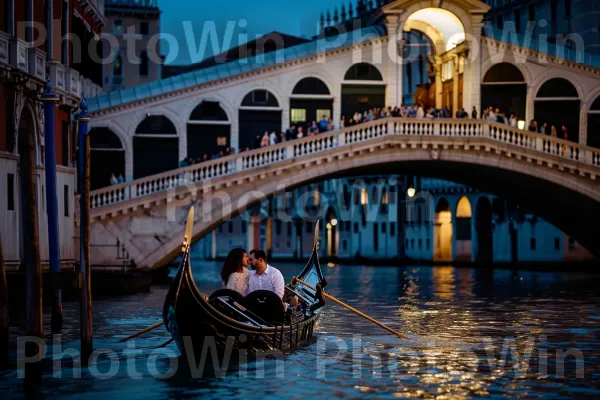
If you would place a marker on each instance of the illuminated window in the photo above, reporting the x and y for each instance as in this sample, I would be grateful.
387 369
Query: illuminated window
364 196
298 115
384 197
316 196
323 114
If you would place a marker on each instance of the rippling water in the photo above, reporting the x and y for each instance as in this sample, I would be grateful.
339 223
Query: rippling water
474 333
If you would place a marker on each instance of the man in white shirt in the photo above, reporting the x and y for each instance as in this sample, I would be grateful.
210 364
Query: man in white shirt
264 276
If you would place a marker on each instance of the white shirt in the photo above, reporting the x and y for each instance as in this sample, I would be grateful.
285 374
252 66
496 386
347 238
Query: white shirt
271 280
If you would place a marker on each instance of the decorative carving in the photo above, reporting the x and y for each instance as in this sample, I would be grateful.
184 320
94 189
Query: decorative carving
39 108
18 104
435 154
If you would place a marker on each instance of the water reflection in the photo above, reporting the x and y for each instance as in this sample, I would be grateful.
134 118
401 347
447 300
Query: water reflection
475 332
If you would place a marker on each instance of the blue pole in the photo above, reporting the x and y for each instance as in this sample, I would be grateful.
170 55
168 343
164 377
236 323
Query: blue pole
50 99
83 118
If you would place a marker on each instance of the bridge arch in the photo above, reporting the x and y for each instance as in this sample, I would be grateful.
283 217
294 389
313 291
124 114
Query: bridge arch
463 218
558 103
512 96
259 111
497 174
155 146
442 231
363 88
208 130
310 99
107 156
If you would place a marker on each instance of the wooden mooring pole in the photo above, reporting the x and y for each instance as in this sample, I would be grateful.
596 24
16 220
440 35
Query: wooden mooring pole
85 310
4 321
34 346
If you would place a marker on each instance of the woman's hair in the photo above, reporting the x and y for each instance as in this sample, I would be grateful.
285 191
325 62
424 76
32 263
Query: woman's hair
233 263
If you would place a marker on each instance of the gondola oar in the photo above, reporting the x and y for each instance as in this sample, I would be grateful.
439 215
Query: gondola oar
355 311
148 329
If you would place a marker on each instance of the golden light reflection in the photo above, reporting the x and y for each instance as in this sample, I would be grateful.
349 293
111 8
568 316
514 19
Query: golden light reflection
443 282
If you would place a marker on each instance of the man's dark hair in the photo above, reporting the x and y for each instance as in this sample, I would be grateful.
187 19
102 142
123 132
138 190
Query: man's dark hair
259 254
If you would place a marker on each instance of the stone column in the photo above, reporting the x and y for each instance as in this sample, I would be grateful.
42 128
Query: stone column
438 83
583 124
393 70
472 74
455 88
530 105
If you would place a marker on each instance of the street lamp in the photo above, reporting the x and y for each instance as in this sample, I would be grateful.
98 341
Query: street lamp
521 124
411 191
334 222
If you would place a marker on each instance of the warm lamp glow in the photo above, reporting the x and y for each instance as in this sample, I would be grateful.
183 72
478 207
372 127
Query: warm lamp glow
521 124
438 23
333 222
411 192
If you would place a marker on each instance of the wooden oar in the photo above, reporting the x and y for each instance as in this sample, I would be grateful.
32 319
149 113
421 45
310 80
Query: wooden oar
355 311
148 329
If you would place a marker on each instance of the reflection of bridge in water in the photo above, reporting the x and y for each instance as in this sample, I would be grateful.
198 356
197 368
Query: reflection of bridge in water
556 179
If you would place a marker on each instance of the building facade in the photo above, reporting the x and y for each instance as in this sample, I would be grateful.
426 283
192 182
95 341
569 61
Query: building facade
374 218
557 19
135 52
27 56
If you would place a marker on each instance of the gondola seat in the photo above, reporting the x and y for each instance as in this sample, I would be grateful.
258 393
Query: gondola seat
265 304
233 294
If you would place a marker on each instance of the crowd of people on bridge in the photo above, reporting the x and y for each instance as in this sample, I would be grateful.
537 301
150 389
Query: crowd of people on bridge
326 124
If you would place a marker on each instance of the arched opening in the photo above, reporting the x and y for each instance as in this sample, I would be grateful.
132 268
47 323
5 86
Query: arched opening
483 230
258 113
107 157
416 85
442 31
208 131
442 232
310 101
332 232
504 87
557 104
593 136
155 147
363 88
463 229
28 157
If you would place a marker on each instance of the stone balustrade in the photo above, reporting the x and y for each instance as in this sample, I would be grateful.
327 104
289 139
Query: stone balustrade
494 135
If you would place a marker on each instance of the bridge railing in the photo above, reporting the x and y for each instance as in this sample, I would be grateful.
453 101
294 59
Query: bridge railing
255 159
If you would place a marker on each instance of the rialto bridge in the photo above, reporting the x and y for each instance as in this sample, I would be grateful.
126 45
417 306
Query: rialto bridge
143 132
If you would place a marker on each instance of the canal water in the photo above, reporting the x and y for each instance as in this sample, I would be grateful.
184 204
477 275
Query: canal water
474 333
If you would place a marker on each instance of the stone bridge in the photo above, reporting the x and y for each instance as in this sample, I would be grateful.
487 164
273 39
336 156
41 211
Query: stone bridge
553 178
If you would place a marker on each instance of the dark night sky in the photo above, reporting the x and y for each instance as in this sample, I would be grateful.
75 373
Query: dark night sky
187 19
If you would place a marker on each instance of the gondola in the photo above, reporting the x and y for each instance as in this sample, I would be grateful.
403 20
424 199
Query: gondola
238 328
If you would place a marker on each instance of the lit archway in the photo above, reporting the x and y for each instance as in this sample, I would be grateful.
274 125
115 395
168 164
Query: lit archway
107 157
442 231
463 229
442 26
311 99
593 136
259 112
504 87
155 146
208 131
557 103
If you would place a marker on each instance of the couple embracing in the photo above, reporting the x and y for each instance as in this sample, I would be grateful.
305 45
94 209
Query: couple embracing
263 276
